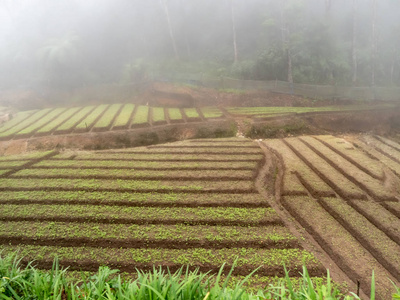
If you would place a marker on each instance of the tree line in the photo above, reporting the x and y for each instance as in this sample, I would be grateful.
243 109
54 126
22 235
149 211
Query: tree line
70 43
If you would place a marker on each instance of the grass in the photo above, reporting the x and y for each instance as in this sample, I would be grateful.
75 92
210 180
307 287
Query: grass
104 123
124 117
141 116
11 164
31 283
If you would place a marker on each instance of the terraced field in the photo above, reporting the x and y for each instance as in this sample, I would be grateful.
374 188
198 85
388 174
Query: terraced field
272 112
99 119
345 193
186 203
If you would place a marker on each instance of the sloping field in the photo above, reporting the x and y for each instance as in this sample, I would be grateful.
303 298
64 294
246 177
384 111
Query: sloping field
99 118
187 203
346 193
270 112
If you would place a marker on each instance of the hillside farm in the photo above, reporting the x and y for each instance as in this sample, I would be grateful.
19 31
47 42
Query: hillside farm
352 195
117 117
207 202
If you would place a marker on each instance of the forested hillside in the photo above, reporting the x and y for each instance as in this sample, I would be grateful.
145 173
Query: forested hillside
68 44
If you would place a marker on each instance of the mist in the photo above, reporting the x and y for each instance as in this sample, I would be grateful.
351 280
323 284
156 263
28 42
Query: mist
68 44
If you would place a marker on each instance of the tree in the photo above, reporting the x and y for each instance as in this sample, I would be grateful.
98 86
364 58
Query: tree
235 50
353 44
171 32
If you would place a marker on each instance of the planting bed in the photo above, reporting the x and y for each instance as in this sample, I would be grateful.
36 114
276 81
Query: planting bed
187 203
357 225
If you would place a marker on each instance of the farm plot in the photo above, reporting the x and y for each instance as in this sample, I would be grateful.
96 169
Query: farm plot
31 120
76 119
198 213
362 213
124 119
141 117
88 122
175 115
18 118
53 125
48 118
192 115
107 119
158 116
211 112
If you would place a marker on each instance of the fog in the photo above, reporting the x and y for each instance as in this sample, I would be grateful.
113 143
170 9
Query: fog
67 44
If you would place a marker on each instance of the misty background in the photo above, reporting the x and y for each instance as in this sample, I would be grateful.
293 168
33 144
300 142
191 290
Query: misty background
66 44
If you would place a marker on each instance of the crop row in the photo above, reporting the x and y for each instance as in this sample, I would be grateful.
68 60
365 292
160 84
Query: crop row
385 250
140 214
17 119
160 156
384 148
136 174
158 115
186 150
191 114
148 165
128 185
388 142
12 164
106 120
295 167
173 233
211 112
89 121
49 117
358 158
49 127
336 179
273 110
76 119
124 119
353 259
292 258
24 157
373 186
138 199
25 124
380 156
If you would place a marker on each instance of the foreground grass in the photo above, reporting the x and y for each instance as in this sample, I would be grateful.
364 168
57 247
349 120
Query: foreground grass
19 282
